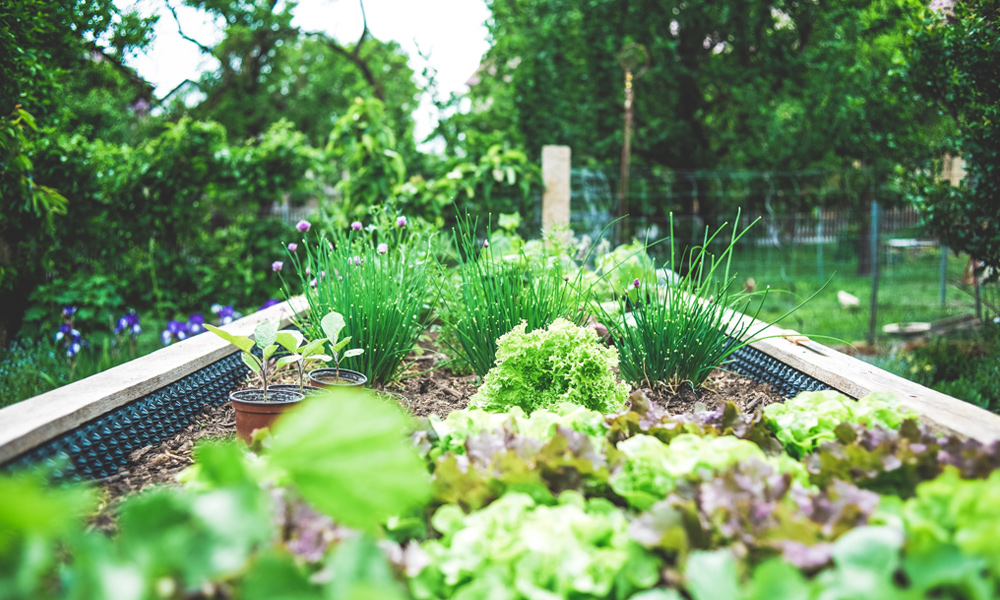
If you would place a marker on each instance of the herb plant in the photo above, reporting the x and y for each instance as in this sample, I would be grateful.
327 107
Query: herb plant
542 368
265 337
381 296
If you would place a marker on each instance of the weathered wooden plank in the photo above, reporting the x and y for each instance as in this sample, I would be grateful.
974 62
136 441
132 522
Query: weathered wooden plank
37 420
857 378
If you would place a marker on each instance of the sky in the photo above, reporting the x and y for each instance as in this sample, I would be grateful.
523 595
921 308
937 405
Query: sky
451 32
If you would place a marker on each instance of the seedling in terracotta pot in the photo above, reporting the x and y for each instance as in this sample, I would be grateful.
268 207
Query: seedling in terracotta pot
301 352
265 337
332 324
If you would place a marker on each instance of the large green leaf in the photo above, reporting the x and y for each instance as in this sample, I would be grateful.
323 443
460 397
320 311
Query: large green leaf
290 339
266 334
242 342
332 324
348 456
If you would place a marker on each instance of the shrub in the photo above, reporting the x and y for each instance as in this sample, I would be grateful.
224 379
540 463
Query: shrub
29 368
540 369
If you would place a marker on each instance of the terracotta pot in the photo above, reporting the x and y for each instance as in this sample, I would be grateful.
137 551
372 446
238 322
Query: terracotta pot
253 413
333 379
307 390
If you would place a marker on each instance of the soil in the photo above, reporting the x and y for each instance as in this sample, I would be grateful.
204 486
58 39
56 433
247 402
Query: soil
423 390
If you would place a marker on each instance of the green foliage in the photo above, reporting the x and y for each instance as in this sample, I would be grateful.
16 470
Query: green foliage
494 294
490 552
951 58
677 332
265 338
654 468
545 367
379 296
326 452
21 366
809 419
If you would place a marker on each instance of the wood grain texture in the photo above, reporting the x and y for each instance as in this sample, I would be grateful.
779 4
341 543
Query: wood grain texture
856 378
37 420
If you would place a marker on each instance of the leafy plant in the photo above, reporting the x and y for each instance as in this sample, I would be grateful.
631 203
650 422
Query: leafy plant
811 418
577 548
679 332
265 337
494 295
380 295
540 369
332 325
300 352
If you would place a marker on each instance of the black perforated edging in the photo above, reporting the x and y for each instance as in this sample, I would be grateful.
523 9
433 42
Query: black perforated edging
758 366
99 448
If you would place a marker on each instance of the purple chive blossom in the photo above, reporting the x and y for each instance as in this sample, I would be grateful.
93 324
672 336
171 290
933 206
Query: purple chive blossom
330 245
382 248
355 259
486 243
313 282
303 226
196 324
356 226
277 266
308 272
269 304
401 222
635 283
129 323
293 247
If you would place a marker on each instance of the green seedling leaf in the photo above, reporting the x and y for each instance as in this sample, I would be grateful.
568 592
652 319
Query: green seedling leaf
341 344
354 352
266 334
269 351
322 357
360 572
291 359
242 342
312 348
251 361
332 324
290 339
350 459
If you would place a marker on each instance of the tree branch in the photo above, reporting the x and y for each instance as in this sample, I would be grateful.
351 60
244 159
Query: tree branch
180 30
364 30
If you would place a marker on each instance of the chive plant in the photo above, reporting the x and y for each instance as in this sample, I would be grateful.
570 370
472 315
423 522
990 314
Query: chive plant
494 295
680 332
380 289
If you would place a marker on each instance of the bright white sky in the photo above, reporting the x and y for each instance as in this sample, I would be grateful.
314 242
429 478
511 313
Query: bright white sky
451 32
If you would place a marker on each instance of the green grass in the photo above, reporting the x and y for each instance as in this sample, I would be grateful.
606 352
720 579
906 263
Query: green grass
909 289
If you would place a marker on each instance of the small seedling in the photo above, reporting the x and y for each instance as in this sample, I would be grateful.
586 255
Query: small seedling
332 324
301 352
264 337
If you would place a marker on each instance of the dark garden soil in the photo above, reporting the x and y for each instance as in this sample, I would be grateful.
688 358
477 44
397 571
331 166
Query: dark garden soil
424 390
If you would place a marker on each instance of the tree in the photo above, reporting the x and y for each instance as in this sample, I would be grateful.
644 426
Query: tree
953 59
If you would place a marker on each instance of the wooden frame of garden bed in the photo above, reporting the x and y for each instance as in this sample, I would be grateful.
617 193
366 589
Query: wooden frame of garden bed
37 420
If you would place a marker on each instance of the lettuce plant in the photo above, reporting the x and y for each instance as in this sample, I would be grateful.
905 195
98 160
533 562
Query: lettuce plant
542 368
809 419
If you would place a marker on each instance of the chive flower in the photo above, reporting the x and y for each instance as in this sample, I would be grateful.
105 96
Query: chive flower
382 248
635 283
356 226
401 222
486 243
303 226
277 265
293 247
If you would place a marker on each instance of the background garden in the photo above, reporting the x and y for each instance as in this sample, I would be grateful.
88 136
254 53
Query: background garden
168 212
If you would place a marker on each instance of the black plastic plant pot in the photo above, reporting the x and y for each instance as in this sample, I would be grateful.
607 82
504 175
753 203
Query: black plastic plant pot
307 390
335 379
252 412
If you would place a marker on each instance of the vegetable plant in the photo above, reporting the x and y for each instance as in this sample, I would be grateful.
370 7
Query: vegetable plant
265 338
300 352
332 325
541 368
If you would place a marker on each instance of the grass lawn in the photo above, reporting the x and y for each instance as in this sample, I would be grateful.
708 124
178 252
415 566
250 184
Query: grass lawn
909 288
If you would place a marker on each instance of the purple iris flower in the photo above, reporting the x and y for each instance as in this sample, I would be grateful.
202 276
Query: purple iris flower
129 323
293 247
226 314
196 324
356 226
303 226
382 248
269 304
401 222
68 312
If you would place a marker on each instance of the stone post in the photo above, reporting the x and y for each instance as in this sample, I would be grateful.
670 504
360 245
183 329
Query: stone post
555 175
